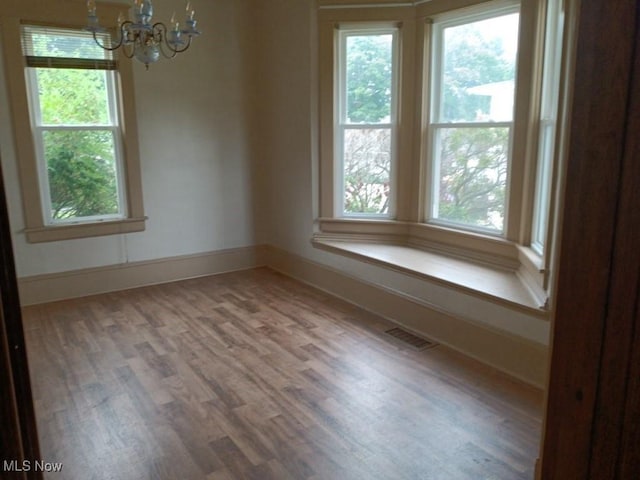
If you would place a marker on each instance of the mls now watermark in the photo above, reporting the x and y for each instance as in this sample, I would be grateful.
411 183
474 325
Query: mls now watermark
31 466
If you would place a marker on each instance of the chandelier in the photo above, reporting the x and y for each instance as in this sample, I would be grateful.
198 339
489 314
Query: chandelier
142 39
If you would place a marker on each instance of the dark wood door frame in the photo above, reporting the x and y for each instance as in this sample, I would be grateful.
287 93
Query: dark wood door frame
18 433
592 426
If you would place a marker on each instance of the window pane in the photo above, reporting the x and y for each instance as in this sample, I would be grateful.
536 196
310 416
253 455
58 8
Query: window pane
82 173
73 97
471 173
369 78
367 165
542 193
478 74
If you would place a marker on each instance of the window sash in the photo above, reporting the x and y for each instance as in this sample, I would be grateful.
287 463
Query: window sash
343 124
36 110
342 191
435 117
434 178
547 128
38 135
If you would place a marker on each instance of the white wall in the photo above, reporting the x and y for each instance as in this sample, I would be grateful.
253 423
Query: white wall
196 170
287 156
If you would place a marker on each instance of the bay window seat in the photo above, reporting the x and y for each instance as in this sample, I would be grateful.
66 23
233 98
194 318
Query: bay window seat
497 284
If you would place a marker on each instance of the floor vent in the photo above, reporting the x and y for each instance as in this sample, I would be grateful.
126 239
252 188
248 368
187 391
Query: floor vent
410 339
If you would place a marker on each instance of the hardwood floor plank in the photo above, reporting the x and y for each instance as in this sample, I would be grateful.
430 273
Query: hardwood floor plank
252 375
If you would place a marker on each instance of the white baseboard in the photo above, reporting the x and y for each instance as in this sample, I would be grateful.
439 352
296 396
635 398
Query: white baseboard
511 354
90 281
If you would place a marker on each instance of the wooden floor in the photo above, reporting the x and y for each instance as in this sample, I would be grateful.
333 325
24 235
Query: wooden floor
254 375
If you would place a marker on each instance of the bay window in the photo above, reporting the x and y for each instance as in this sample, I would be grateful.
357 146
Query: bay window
438 129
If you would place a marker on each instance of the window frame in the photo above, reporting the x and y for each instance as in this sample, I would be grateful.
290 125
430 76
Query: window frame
330 20
510 251
549 119
36 228
435 57
40 127
342 123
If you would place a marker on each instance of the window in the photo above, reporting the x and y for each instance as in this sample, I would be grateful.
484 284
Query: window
75 120
472 100
75 129
547 128
430 121
366 131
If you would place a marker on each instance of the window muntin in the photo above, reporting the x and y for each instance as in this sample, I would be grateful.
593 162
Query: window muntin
366 126
471 123
73 100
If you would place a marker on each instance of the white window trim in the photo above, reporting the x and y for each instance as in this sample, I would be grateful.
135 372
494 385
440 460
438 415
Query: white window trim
36 230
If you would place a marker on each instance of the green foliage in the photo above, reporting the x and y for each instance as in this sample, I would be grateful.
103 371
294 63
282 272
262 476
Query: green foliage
473 172
82 176
369 77
73 97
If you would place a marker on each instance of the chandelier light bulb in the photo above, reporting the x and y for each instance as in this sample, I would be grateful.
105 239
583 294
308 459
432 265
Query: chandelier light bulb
190 12
91 8
173 23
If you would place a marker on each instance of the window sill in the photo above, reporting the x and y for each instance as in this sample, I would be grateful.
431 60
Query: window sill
52 233
497 284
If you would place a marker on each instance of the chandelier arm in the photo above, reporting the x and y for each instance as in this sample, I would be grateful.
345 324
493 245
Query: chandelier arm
104 47
162 31
160 36
123 27
166 55
180 50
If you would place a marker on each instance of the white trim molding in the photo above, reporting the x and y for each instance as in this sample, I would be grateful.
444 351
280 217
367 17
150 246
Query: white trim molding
91 281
